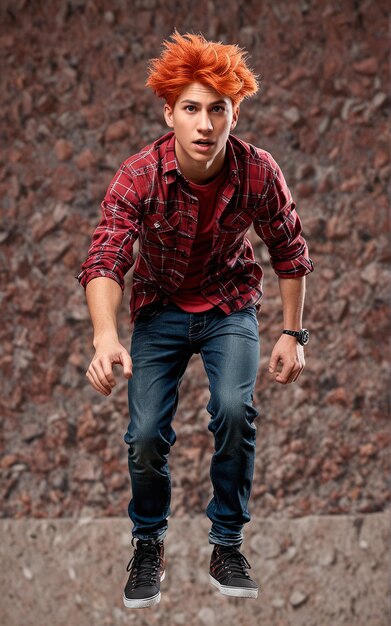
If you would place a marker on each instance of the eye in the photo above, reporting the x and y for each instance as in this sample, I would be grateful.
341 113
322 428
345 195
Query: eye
217 108
190 108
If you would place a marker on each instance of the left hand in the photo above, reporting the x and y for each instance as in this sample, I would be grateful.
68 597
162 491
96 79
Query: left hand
287 360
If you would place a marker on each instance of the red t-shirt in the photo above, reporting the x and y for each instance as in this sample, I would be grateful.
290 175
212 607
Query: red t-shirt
188 297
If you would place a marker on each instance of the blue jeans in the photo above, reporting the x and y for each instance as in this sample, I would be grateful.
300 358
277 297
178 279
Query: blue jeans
163 341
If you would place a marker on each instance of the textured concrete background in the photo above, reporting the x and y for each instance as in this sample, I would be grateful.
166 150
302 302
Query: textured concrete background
314 571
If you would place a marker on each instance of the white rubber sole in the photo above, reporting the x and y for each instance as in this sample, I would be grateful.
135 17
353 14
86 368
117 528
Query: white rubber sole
237 592
144 603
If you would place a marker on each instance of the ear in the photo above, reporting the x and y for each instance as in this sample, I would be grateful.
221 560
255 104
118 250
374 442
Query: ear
168 112
235 116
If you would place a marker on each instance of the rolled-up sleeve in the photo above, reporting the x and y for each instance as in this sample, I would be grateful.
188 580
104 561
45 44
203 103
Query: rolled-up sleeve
111 250
279 226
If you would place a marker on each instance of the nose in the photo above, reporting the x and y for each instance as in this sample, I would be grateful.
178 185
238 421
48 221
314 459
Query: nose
204 122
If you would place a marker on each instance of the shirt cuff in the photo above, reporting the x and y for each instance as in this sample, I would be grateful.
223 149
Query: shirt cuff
293 269
86 275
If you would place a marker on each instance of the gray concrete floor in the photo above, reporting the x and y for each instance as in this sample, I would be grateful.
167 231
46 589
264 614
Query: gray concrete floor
313 571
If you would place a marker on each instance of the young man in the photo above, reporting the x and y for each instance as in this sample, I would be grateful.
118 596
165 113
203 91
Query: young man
189 198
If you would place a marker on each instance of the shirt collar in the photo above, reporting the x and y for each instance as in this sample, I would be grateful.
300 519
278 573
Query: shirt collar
232 163
169 162
171 168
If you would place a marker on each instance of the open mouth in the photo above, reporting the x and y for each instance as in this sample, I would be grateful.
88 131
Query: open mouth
203 142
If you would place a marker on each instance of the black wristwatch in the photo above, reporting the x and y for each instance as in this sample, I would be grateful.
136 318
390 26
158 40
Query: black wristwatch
302 336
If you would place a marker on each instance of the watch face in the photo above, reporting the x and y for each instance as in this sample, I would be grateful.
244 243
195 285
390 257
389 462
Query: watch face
305 337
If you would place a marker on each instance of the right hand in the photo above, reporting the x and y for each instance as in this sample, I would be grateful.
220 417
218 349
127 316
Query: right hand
108 352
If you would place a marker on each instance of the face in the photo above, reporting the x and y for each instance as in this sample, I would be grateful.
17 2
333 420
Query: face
202 119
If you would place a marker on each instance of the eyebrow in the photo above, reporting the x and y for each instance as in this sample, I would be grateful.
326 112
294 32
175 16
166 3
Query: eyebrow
211 103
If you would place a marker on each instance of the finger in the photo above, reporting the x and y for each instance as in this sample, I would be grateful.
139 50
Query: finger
301 367
96 384
286 373
273 363
297 374
92 377
97 369
127 364
294 376
298 368
93 384
107 368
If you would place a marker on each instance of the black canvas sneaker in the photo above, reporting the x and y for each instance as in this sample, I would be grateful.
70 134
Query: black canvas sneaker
146 569
228 572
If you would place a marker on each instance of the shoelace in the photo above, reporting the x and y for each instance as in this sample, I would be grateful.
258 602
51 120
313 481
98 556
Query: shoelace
233 561
144 564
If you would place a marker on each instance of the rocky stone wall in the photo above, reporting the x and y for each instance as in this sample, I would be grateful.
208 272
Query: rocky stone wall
73 107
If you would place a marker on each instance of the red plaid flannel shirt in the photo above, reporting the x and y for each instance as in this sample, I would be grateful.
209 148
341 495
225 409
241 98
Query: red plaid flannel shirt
150 200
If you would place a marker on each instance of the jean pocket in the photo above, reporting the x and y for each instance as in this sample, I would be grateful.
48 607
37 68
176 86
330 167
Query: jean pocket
251 311
150 312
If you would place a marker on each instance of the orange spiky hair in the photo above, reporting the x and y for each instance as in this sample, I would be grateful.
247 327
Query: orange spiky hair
190 58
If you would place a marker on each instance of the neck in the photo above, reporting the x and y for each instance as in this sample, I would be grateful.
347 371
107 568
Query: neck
199 172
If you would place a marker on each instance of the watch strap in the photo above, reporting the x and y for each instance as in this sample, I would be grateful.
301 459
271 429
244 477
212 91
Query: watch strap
293 333
302 335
